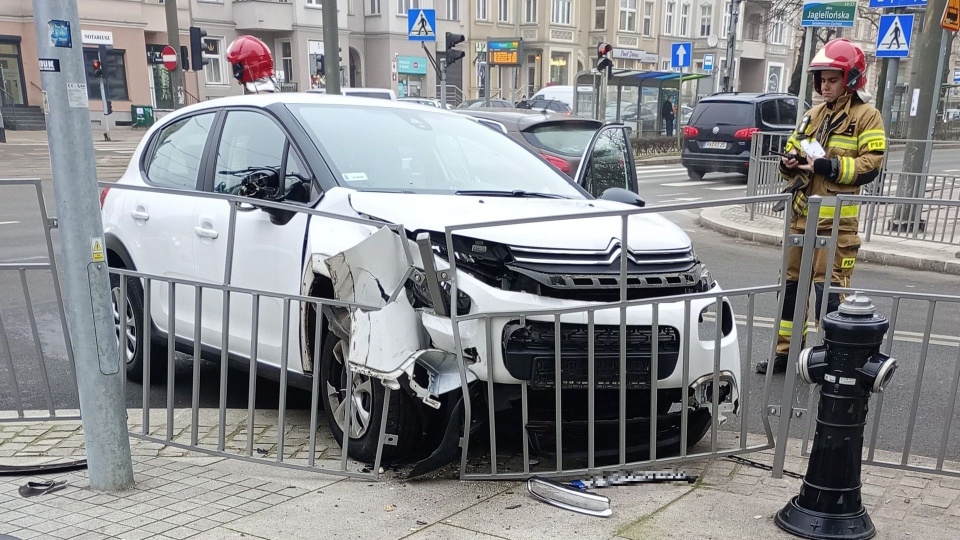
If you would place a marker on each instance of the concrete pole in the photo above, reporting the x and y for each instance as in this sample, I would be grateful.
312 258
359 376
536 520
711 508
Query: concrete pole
86 275
889 89
731 46
925 77
331 46
173 39
805 74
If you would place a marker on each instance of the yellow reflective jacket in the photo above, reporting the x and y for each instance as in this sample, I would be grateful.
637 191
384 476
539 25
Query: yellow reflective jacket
852 134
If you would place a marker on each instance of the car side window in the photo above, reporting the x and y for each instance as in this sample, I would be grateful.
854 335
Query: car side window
251 144
769 114
788 111
297 183
175 159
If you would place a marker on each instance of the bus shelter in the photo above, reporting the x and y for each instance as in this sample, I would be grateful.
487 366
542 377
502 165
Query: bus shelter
633 97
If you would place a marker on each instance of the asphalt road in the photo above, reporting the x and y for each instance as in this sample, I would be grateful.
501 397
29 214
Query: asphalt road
734 263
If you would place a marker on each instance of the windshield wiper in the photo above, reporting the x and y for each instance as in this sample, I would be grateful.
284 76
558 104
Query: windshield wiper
514 193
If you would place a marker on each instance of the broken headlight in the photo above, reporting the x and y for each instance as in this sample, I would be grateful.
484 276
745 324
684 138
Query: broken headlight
706 282
418 292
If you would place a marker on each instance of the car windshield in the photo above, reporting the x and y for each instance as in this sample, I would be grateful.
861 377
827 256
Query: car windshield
422 151
718 113
567 138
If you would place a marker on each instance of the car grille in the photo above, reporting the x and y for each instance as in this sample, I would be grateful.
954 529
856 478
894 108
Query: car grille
529 354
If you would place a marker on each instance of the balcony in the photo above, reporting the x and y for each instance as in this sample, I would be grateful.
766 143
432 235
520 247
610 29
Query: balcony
752 50
263 15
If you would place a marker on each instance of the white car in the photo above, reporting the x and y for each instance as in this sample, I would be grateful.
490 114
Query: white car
367 164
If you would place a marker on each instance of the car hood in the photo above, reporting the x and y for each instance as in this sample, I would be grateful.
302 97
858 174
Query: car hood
647 232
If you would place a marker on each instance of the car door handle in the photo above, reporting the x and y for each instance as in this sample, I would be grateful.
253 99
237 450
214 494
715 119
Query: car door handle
204 232
140 215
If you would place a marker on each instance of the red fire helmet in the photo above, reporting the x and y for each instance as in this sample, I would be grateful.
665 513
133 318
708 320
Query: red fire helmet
841 55
250 58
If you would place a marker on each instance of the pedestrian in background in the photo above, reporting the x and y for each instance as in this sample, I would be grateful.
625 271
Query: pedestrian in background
667 113
837 148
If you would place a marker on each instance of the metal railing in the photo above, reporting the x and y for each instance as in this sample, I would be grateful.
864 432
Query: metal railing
929 221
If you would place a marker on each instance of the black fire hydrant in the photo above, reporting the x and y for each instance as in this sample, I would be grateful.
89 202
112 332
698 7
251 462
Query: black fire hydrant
849 367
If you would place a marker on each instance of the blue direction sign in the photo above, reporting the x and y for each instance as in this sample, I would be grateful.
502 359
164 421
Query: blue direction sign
421 25
708 62
680 54
893 36
896 3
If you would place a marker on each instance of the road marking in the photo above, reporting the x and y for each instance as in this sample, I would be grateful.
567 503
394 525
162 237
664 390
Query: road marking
951 170
689 184
726 188
653 167
9 222
681 199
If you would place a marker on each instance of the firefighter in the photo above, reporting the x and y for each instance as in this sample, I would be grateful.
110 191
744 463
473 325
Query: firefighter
252 65
837 148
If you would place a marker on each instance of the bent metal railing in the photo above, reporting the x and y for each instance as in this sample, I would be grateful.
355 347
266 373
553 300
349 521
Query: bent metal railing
519 466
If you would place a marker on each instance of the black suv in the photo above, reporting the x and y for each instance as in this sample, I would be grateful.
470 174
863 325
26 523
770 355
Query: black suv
717 137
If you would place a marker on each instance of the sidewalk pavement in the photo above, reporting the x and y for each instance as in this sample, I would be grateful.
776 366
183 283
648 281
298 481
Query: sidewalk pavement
182 494
903 252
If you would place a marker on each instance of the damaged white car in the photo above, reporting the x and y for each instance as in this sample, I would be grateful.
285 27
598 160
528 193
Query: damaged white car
388 178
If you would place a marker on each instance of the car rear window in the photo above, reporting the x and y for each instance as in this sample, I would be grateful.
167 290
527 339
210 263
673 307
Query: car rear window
567 138
718 113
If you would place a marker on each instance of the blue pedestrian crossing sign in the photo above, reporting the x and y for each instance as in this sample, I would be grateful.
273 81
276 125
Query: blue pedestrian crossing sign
421 25
893 36
680 54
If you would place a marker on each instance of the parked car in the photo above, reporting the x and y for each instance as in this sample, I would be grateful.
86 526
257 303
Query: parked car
559 139
548 105
378 93
425 101
378 162
717 137
477 103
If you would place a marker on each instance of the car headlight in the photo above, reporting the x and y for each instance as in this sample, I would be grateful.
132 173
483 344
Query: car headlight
706 282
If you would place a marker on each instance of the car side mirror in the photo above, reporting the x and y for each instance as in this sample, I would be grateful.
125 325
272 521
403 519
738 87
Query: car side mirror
623 196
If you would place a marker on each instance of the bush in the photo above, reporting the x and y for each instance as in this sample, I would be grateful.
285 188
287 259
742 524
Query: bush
654 145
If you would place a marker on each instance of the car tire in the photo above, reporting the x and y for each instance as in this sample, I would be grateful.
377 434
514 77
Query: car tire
132 331
695 174
403 418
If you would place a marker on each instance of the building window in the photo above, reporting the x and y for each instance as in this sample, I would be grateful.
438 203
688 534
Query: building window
481 10
668 18
664 65
725 28
350 10
684 19
530 11
648 18
777 29
600 15
374 7
309 2
561 12
628 15
706 20
504 14
453 10
559 68
403 6
286 62
114 71
213 72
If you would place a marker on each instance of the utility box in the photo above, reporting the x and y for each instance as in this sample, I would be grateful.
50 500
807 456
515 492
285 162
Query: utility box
141 116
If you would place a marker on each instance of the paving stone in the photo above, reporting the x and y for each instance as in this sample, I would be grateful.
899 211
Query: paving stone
914 481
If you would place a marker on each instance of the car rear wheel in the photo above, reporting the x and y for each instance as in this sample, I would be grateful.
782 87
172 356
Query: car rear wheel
695 174
129 324
403 418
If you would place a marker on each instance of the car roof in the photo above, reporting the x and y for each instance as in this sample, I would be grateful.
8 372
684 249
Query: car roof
746 97
521 119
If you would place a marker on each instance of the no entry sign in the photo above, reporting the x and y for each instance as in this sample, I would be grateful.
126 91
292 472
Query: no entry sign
169 57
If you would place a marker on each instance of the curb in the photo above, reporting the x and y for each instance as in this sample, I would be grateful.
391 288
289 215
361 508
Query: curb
712 219
670 160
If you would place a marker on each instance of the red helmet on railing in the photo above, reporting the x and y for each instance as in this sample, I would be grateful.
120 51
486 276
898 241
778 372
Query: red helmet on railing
252 64
841 55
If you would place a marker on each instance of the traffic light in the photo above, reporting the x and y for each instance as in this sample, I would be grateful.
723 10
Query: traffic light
197 61
453 55
109 108
97 67
603 58
320 64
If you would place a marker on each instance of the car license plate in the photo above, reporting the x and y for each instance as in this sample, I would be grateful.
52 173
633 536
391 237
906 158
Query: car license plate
715 144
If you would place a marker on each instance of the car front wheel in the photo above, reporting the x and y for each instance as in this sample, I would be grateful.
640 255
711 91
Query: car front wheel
366 413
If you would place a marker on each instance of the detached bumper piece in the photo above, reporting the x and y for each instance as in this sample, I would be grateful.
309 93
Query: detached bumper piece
530 354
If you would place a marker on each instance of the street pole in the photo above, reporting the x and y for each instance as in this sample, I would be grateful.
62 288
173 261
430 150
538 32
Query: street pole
889 85
331 46
805 73
87 277
731 46
442 60
925 78
486 79
173 38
